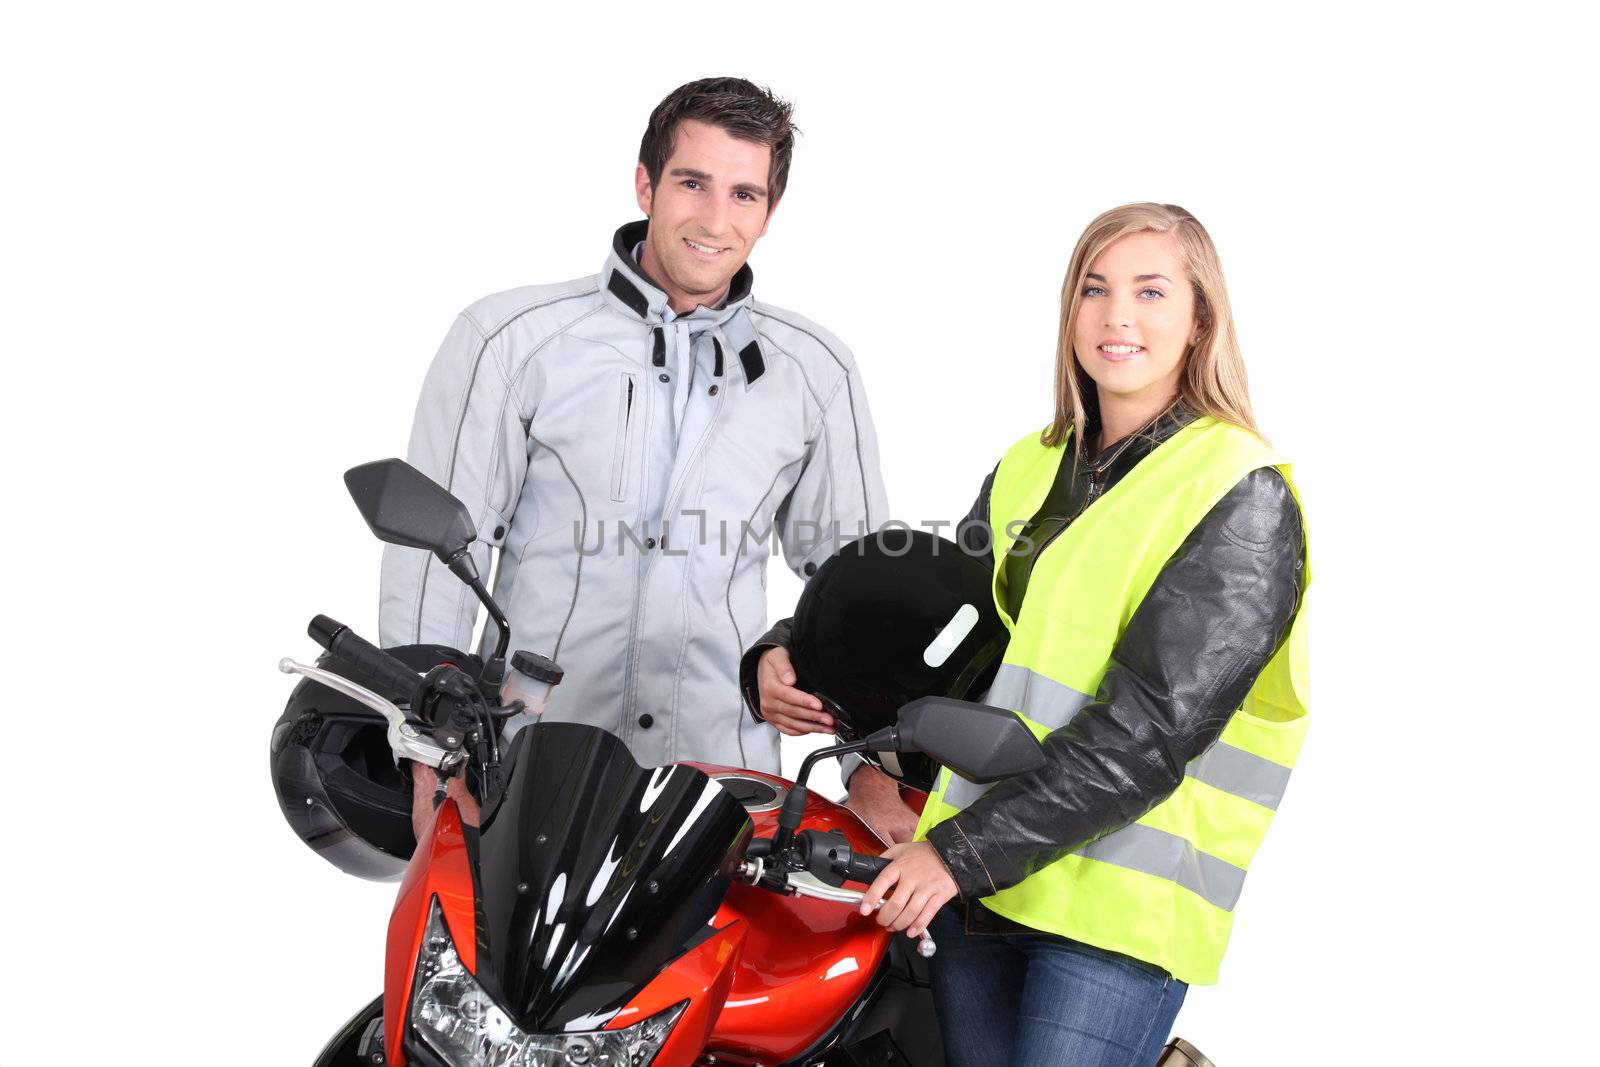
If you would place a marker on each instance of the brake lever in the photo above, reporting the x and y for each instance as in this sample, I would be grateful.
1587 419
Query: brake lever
803 883
406 738
806 884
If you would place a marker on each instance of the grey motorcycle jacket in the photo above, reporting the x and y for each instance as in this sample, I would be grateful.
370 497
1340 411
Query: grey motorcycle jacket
634 470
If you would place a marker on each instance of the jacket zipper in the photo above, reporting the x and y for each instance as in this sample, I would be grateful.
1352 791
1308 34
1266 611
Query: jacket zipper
642 577
630 663
619 464
1097 482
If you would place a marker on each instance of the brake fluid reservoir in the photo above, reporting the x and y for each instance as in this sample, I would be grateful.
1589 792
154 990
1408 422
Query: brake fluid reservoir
530 680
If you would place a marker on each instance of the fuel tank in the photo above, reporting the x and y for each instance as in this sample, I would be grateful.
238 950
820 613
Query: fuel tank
805 963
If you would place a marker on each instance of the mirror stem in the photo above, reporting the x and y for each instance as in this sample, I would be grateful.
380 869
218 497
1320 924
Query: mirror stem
794 805
823 753
462 567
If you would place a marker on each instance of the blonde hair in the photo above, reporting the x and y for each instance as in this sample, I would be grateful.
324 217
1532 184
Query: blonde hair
1213 380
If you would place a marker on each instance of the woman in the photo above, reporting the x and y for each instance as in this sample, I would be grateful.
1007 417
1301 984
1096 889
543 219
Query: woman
1149 551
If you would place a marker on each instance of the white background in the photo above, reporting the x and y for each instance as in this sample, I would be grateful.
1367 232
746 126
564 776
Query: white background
234 236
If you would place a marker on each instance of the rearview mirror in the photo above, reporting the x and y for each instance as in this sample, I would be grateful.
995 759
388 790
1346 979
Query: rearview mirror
405 507
981 743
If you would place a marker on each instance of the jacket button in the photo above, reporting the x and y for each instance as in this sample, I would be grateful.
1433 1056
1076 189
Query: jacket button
811 568
649 542
499 532
646 721
713 390
666 377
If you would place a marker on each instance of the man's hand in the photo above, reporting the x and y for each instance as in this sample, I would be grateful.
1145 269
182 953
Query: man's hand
424 783
921 885
876 798
793 711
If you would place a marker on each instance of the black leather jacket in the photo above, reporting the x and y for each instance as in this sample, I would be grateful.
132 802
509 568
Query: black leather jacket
1218 610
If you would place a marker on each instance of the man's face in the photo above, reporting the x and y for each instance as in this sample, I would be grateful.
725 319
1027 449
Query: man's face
706 213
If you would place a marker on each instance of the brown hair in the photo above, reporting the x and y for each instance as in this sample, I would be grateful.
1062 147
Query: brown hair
741 108
1213 381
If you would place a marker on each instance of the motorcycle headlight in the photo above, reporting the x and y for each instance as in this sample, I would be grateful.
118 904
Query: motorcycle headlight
460 1022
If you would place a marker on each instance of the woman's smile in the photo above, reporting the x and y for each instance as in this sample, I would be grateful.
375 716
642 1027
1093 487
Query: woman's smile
1118 352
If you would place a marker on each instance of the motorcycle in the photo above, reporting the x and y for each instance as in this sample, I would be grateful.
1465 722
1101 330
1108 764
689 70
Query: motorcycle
601 913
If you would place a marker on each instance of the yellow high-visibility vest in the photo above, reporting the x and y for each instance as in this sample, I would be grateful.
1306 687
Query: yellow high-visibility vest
1161 889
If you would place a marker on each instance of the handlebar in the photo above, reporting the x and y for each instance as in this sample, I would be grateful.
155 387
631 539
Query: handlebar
370 665
859 868
405 738
819 865
445 704
830 857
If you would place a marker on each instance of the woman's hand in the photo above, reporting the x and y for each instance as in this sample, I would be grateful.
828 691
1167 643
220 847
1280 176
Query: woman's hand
793 711
921 883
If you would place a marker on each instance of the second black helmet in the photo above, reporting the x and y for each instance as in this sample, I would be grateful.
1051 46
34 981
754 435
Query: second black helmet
891 617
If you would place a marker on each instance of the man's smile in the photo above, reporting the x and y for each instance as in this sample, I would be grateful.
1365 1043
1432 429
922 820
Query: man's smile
704 251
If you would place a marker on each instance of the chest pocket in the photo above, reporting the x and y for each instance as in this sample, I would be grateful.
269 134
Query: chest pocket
627 396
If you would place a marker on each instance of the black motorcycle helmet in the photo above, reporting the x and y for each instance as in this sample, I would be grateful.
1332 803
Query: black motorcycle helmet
335 774
891 617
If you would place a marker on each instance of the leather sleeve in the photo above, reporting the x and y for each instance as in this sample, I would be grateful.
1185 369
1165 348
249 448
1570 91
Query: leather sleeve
1215 615
777 637
973 533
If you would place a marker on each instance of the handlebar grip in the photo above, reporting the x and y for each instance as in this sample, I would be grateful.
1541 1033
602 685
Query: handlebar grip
865 868
369 665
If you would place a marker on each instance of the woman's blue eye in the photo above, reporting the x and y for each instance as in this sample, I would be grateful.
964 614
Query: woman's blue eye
1093 290
1151 294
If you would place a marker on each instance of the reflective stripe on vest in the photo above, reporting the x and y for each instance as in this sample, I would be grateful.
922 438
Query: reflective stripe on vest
1151 851
1050 705
1231 770
1244 774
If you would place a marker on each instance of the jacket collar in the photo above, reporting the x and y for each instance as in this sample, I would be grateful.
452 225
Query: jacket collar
1141 442
631 292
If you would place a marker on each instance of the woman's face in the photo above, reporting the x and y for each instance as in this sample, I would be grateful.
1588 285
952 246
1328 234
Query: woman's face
1136 318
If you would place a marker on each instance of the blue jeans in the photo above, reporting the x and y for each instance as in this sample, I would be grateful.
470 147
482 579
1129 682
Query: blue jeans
1039 1001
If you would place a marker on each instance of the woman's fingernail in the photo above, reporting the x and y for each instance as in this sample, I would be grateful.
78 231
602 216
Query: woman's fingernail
788 679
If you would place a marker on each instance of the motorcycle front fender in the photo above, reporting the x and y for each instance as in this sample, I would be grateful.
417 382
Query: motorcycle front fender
353 1045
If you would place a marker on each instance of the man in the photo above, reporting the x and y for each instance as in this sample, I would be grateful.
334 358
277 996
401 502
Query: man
630 441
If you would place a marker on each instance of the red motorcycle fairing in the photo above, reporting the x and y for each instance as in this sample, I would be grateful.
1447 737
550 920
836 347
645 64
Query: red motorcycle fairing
772 979
440 867
586 878
702 976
